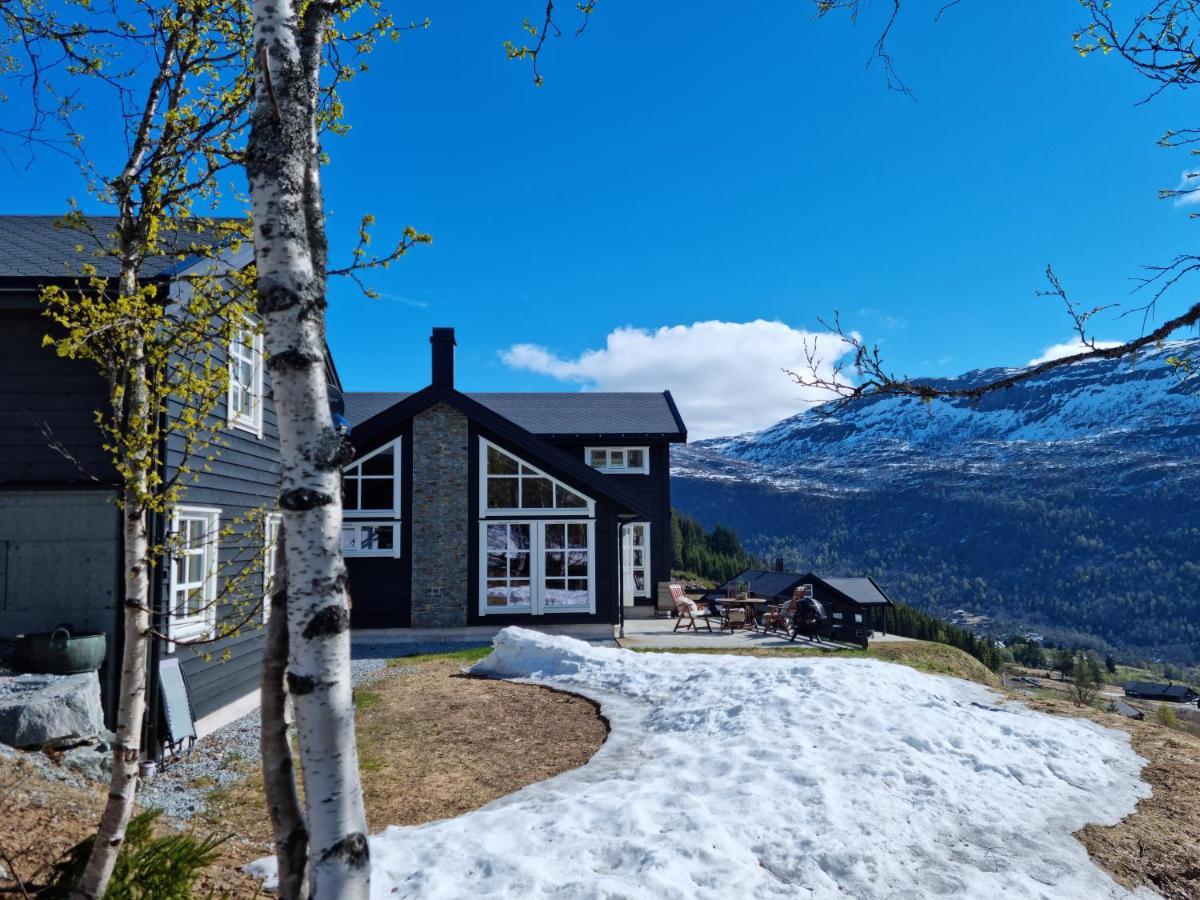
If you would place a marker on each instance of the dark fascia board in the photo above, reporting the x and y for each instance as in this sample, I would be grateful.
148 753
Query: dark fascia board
386 425
331 367
645 437
886 596
678 418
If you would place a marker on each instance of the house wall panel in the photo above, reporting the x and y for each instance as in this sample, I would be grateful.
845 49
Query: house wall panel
46 401
60 564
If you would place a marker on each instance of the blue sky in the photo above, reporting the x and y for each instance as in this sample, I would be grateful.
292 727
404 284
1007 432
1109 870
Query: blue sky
682 167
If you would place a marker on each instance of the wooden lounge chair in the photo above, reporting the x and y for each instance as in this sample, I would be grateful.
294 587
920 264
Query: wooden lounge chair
687 612
779 616
734 618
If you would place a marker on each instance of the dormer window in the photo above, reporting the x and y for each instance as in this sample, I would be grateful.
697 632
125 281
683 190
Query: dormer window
246 380
619 460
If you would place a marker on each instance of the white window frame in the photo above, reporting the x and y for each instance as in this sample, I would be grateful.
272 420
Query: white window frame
396 492
194 626
611 467
645 567
271 525
238 351
537 565
588 510
357 525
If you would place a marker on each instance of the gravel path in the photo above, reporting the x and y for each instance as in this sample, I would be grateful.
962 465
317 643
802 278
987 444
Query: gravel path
230 752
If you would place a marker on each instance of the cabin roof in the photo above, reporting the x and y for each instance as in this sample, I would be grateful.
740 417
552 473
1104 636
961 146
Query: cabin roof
1159 690
578 414
45 247
766 583
863 591
557 462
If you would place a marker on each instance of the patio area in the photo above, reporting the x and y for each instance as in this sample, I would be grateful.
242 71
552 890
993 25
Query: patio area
657 634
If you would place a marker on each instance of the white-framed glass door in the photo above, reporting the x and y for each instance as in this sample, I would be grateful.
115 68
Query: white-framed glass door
537 567
627 587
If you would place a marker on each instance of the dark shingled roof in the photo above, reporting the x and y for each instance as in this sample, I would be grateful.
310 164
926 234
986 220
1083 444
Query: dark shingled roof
862 591
559 414
760 583
44 247
1154 689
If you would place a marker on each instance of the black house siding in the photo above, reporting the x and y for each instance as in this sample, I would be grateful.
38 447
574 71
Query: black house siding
381 587
654 492
243 482
46 400
607 549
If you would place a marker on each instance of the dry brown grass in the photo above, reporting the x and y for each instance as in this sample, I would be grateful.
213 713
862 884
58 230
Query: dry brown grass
432 744
437 743
1158 845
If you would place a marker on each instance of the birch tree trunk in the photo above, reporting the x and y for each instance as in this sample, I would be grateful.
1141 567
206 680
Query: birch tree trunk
131 705
291 292
279 772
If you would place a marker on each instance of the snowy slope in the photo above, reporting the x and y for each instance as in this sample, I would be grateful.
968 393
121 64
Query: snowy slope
1128 423
735 777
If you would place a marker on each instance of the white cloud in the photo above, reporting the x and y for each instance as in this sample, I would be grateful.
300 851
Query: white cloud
1067 348
726 377
1189 180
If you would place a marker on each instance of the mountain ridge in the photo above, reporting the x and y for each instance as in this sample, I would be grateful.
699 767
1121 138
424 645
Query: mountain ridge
1072 490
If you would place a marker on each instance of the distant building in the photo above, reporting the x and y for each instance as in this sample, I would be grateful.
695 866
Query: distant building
856 606
1172 693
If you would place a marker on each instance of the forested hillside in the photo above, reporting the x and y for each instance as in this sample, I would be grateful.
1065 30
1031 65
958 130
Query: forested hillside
1065 507
708 556
716 556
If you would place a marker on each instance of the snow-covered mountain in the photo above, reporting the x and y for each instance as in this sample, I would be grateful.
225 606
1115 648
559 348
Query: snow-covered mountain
1047 498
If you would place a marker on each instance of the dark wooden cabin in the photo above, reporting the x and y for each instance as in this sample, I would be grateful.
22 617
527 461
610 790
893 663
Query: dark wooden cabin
60 534
1169 693
856 606
546 509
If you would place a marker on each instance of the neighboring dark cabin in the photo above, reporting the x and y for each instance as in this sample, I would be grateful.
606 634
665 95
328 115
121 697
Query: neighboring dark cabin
855 606
1170 693
60 530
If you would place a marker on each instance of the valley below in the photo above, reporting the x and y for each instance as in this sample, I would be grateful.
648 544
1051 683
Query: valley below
1062 508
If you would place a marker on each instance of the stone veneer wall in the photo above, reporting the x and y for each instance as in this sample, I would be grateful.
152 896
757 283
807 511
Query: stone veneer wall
440 501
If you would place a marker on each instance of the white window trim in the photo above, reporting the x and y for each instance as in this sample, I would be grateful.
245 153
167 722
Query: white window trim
253 422
644 469
272 521
589 510
537 562
189 627
359 524
396 492
645 591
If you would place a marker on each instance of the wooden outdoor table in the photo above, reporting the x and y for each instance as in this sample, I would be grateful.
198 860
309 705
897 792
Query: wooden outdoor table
750 604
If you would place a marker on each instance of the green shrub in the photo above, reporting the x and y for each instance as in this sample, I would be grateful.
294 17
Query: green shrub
148 867
1166 716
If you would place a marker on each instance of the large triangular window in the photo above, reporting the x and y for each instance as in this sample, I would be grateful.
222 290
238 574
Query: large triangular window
510 484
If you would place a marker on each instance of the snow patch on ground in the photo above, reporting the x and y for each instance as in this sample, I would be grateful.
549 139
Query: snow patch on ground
743 777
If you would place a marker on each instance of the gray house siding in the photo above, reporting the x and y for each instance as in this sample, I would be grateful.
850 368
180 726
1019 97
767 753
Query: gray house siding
243 482
73 536
60 565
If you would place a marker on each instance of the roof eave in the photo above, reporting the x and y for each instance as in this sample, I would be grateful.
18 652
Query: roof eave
395 415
